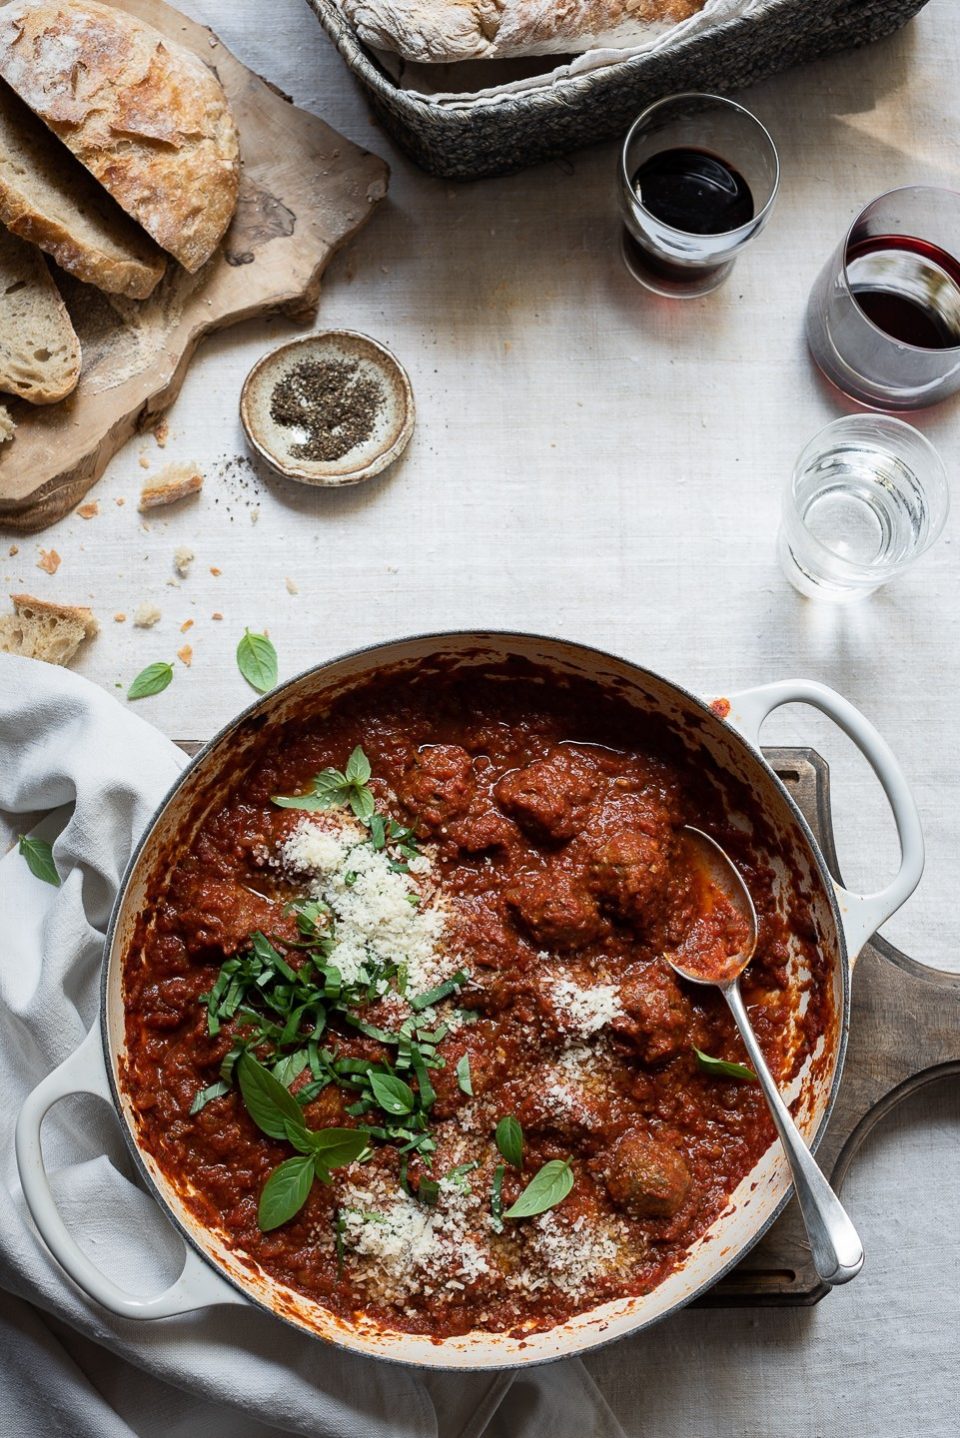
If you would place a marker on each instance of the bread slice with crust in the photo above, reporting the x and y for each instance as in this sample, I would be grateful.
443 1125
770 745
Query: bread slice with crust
39 349
38 629
47 197
147 118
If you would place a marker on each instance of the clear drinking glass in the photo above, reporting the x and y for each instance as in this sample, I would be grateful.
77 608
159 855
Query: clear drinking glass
883 320
868 496
679 262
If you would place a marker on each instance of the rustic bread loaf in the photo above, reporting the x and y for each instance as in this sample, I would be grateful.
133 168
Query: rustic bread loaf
39 349
147 118
38 629
47 197
447 30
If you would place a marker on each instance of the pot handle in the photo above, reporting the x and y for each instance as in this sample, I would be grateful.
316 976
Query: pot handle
198 1286
861 914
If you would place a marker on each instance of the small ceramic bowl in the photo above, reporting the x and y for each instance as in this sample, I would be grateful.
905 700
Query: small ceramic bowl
277 443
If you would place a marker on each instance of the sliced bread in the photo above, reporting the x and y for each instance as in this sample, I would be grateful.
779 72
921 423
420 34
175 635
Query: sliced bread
146 117
39 349
47 197
38 629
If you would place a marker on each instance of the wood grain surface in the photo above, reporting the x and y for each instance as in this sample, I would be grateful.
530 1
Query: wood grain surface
304 191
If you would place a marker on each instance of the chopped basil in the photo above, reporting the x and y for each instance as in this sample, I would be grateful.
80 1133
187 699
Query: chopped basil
464 1078
216 1090
433 996
496 1198
509 1140
548 1187
39 857
257 661
722 1068
152 680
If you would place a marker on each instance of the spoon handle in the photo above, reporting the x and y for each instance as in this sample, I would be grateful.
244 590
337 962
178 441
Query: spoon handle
834 1243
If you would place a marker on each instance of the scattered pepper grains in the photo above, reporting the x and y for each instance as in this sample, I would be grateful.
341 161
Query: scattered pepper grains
332 402
49 561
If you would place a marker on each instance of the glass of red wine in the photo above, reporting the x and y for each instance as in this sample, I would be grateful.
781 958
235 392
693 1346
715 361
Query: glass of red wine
883 320
698 179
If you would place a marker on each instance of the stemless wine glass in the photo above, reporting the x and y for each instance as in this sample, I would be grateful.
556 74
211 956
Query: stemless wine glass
683 263
868 496
883 320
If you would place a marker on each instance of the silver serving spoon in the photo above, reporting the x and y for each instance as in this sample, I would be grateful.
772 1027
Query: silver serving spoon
834 1244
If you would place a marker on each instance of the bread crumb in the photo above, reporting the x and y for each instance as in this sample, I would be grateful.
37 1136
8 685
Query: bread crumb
292 586
174 481
161 433
216 614
183 557
187 624
146 616
49 561
144 462
254 516
89 511
185 655
120 501
8 425
14 549
119 619
215 571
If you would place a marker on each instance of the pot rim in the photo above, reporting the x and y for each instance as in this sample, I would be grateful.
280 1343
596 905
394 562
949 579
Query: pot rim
591 1342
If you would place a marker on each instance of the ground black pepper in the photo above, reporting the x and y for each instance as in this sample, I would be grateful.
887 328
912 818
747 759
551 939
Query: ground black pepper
332 402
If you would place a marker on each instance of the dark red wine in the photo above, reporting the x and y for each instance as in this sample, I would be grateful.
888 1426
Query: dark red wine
909 288
694 191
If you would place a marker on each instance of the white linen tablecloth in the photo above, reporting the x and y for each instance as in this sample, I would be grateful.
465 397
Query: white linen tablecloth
95 771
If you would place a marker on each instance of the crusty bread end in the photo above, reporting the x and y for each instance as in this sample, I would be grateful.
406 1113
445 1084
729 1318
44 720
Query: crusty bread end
39 629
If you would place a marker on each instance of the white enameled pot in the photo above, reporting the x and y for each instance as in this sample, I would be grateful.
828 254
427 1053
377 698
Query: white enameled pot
728 746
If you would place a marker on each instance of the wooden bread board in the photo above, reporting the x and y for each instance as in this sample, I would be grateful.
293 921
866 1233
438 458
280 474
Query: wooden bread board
304 191
904 1033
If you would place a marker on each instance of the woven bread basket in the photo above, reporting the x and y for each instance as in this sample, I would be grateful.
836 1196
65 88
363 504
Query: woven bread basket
494 135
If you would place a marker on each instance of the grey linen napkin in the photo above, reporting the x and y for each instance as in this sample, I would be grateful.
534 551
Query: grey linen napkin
84 772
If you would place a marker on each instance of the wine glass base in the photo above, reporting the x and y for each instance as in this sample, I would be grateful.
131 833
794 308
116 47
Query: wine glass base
678 285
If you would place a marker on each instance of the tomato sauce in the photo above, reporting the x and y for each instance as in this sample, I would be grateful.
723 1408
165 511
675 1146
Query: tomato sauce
551 817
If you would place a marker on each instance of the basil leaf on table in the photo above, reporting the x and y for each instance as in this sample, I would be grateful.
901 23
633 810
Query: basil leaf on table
392 1093
285 1192
722 1068
509 1137
269 1104
39 857
257 661
548 1187
152 680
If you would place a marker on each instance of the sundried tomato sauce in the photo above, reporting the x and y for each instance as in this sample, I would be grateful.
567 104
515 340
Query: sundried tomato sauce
552 815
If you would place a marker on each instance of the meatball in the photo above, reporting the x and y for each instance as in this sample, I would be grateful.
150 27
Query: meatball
628 873
548 798
657 1017
440 785
646 1177
481 829
555 911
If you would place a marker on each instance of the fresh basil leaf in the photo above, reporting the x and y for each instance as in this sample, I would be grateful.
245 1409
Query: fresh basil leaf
330 784
152 680
257 661
298 1135
268 1103
358 769
548 1187
509 1139
433 996
721 1068
496 1198
378 831
362 803
392 1094
39 857
313 803
464 1078
428 1190
216 1090
285 1192
335 1147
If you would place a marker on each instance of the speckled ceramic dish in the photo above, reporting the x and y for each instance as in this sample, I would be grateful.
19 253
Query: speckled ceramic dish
285 442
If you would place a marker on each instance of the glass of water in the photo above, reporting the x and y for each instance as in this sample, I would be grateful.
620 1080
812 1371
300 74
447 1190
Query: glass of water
868 496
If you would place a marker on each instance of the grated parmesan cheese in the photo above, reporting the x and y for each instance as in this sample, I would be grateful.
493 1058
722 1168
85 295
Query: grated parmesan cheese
570 1255
584 1011
375 922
